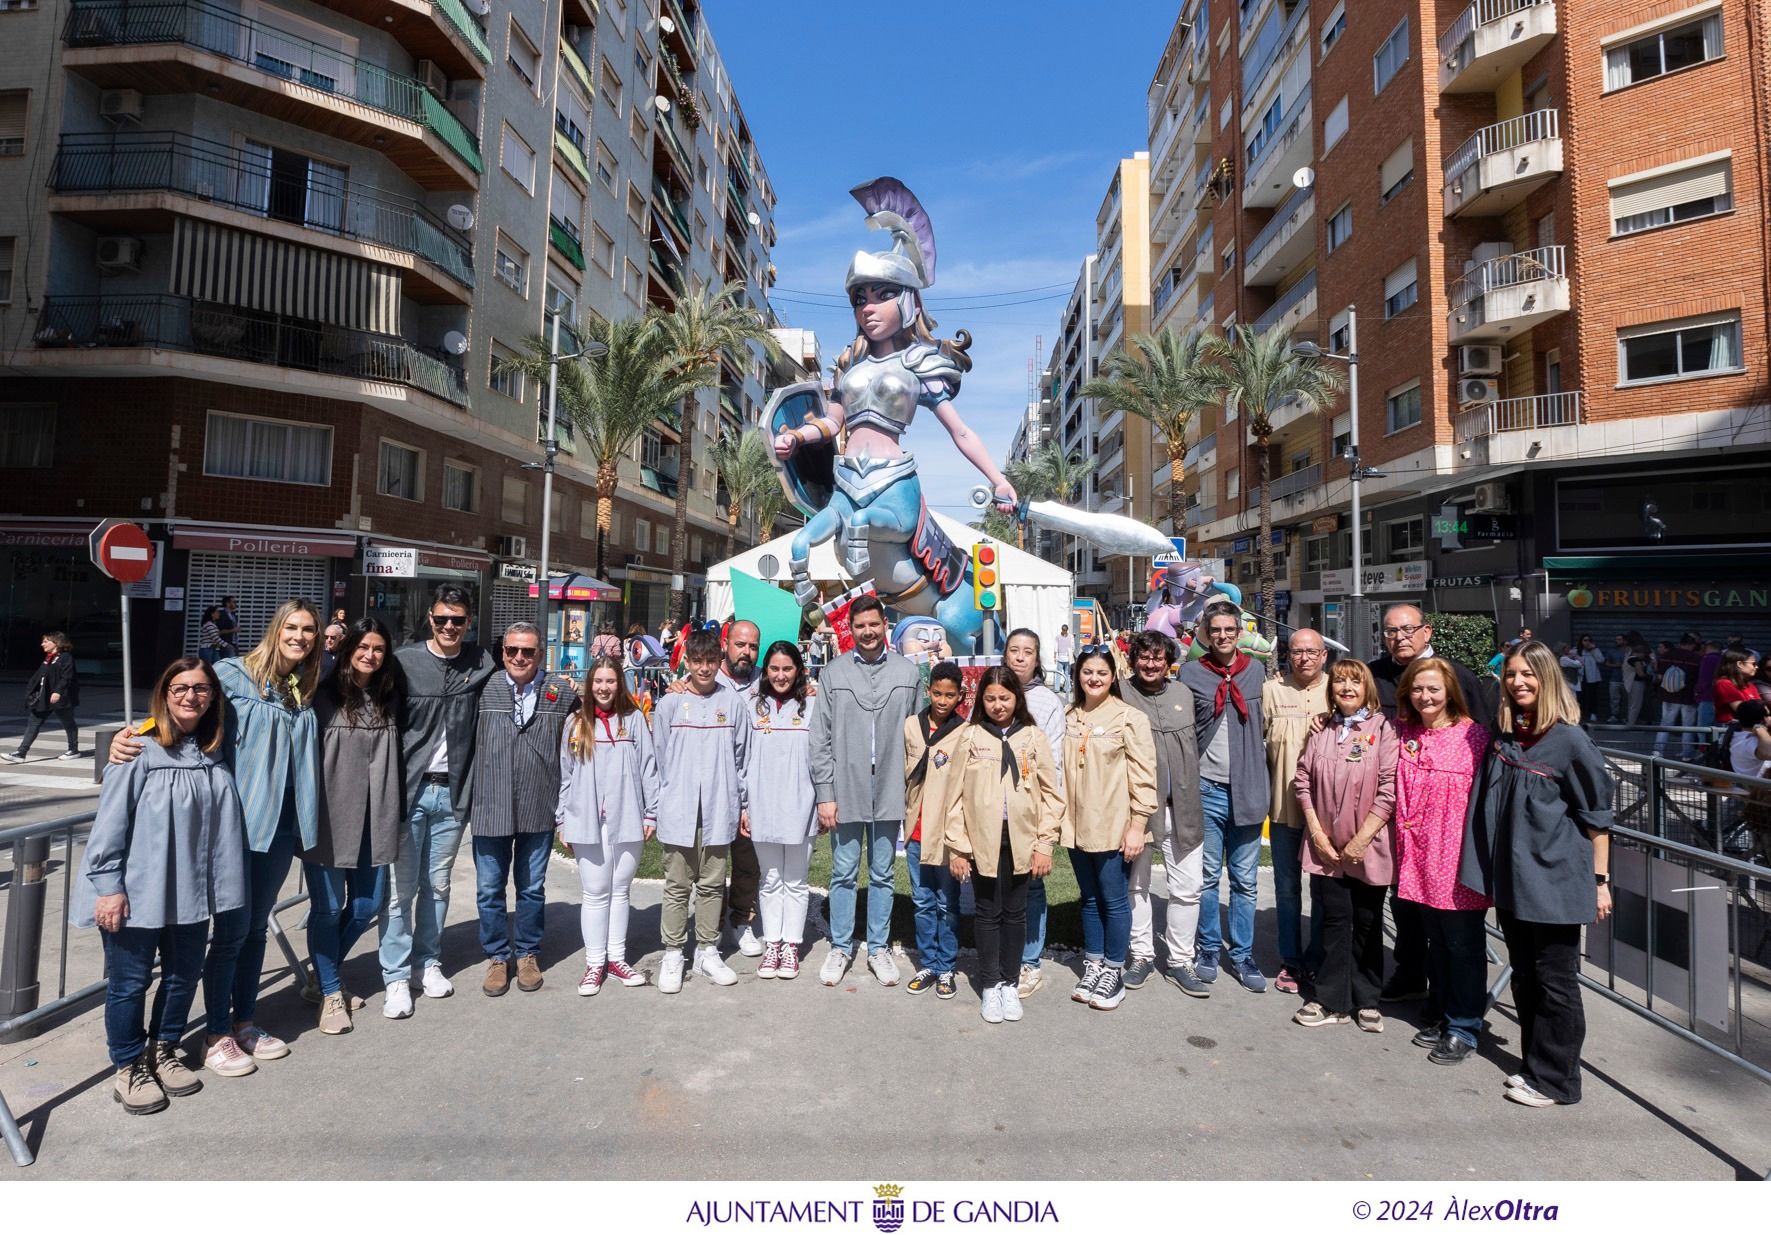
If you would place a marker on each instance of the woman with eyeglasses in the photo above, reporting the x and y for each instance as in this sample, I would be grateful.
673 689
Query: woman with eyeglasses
166 854
357 708
1538 843
1110 794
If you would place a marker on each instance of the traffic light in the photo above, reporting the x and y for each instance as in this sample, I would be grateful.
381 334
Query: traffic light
986 577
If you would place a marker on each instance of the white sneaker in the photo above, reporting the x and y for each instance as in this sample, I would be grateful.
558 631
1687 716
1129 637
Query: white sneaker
834 967
670 972
12 756
436 986
399 1001
1011 1002
69 754
883 966
709 965
748 943
991 1010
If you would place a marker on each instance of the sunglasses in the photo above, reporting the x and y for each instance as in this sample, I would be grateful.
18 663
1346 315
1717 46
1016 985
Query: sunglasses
520 653
1090 649
443 619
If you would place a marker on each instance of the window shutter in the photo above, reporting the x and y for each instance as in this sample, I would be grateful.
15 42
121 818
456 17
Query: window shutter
1399 279
1398 165
12 121
1670 189
1335 127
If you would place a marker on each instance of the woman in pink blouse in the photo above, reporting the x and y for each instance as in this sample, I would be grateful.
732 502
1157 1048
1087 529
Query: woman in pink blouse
1345 787
1442 749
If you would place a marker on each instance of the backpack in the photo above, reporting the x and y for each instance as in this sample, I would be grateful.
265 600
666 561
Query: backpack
1672 680
1715 755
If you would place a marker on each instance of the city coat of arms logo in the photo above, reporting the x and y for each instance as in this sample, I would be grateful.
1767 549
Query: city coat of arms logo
888 1207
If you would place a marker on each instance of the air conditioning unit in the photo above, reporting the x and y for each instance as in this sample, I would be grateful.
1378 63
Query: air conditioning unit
435 80
513 546
1492 499
1478 361
119 253
117 105
1473 391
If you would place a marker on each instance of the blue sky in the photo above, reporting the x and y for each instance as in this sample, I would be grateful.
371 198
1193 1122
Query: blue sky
1007 123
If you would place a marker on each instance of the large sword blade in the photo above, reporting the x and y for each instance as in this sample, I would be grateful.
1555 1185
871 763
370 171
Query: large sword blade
1113 533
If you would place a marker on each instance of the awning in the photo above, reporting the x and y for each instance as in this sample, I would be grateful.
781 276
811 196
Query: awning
251 271
1661 567
577 587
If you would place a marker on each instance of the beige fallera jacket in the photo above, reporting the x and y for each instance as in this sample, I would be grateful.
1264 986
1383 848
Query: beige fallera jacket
1109 775
1035 806
936 788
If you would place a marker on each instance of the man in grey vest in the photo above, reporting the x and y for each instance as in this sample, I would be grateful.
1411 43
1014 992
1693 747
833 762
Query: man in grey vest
523 716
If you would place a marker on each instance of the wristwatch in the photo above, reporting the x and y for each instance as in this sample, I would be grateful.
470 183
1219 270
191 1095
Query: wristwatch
1602 880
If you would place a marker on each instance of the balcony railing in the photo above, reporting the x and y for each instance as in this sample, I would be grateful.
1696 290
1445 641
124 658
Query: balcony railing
1283 136
1550 411
667 128
662 195
1255 76
1199 515
106 163
564 238
1474 39
181 324
1198 450
1303 289
1275 227
1507 135
192 23
465 26
1509 271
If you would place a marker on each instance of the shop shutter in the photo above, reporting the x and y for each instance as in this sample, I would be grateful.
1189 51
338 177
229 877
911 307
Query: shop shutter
511 602
260 584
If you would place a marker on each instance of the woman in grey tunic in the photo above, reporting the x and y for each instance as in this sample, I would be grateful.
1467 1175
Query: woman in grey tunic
783 817
167 852
359 826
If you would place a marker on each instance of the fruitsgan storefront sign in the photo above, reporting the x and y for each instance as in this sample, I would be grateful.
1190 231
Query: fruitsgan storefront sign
1662 596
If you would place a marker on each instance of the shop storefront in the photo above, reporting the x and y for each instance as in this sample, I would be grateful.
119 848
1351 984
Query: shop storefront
1716 596
645 597
51 584
1383 584
578 605
396 580
260 569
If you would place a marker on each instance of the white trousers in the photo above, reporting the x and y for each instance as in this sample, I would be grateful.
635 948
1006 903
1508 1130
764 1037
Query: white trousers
1184 874
783 895
605 873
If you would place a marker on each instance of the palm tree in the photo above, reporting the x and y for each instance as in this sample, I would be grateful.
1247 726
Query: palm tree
702 326
745 464
611 399
1166 379
996 525
1259 372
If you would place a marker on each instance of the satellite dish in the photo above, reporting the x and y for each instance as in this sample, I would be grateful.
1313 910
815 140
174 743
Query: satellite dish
460 218
666 25
662 104
1304 177
455 343
754 218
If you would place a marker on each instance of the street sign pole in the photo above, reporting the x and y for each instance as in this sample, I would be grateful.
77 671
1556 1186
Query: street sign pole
128 668
123 552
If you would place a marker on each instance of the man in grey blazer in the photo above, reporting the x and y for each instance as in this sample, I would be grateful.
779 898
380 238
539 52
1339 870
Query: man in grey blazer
523 717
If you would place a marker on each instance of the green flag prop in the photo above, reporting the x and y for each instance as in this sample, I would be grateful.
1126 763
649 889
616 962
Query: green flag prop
774 611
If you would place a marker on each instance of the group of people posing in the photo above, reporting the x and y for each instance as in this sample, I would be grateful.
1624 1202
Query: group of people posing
1380 779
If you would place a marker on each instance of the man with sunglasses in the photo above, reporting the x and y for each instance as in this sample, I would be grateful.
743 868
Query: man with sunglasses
1408 636
440 684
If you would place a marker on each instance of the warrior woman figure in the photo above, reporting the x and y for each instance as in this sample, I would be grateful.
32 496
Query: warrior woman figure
895 365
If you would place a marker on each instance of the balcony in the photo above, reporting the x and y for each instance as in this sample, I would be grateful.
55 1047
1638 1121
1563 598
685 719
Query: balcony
574 65
1508 294
1256 78
661 197
1200 453
1288 238
565 240
1271 167
1498 166
1551 411
189 47
442 31
1198 516
664 129
113 179
1490 40
680 39
1292 310
1289 485
114 325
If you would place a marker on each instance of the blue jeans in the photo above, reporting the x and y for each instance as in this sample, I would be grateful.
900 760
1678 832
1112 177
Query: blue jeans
341 904
845 873
235 964
935 893
129 966
1457 969
1035 945
494 859
1288 893
1103 879
412 927
1242 845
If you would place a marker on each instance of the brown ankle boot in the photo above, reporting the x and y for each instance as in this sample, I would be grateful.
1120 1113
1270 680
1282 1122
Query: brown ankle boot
497 978
136 1088
528 973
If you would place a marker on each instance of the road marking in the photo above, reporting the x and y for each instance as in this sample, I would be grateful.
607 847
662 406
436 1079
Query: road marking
27 780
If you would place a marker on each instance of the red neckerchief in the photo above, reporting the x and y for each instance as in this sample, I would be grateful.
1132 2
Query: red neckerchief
1227 687
603 718
1525 730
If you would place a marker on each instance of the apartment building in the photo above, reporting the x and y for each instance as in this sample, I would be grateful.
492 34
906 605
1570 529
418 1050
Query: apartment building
1555 266
261 262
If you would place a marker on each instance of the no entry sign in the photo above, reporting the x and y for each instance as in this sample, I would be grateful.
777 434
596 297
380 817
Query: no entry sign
122 550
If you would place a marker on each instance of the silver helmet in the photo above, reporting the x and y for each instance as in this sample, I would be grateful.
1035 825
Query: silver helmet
910 263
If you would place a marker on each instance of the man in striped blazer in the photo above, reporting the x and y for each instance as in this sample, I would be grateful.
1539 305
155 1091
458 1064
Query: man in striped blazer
523 716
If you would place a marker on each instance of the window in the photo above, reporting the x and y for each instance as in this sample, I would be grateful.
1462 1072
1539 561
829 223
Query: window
1232 484
1225 112
1662 197
504 377
514 508
1670 351
461 486
1397 171
611 86
568 207
636 205
556 509
1390 57
1664 51
605 168
27 435
1546 231
571 116
401 473
587 520
661 539
510 265
1405 538
14 106
1340 333
1229 257
562 298
524 59
288 185
602 249
518 159
1399 289
1402 408
632 281
254 448
8 246
651 449
636 128
1335 126
1340 227
1334 26
642 534
1318 553
642 63
1552 371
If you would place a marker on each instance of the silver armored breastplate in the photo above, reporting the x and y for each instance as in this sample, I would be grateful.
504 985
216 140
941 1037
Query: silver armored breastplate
880 394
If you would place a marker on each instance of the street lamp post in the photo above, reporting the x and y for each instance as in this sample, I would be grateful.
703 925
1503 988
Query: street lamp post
550 447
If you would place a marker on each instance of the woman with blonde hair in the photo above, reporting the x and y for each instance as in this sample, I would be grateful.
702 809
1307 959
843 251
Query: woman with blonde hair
273 748
1538 830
